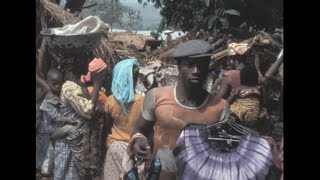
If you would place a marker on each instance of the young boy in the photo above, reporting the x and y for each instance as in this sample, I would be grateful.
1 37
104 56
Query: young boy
57 125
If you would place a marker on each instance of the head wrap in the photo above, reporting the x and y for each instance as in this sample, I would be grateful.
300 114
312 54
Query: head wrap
96 65
122 82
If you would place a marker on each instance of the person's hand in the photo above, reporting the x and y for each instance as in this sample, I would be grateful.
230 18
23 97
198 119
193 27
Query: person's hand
72 122
141 149
269 139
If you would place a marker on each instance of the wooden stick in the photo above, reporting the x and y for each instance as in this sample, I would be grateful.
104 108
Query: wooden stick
219 49
270 53
41 52
258 39
219 42
219 55
89 6
274 67
41 82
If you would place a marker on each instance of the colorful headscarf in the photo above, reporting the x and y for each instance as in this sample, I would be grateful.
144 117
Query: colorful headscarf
96 65
122 82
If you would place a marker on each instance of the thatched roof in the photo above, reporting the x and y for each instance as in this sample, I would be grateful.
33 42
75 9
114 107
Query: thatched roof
52 15
126 38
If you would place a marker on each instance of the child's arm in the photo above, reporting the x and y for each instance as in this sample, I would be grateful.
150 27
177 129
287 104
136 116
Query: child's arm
233 95
231 98
56 116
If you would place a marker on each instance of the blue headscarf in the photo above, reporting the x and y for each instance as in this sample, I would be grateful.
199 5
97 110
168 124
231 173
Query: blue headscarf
122 82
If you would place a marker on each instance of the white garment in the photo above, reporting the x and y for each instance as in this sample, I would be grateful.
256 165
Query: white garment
88 25
237 48
167 159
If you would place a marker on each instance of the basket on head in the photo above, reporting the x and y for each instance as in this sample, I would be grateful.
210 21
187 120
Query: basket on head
73 44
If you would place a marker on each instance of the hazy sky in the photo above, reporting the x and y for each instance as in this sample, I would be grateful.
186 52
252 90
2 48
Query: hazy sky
149 14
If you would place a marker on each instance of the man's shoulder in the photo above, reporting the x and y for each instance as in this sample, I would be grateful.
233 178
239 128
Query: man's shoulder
163 91
218 101
138 97
110 99
165 88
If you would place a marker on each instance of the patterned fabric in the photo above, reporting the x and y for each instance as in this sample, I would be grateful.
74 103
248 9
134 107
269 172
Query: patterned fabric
83 153
237 48
281 151
247 107
248 91
66 157
281 156
97 65
113 162
197 158
72 93
123 124
49 110
55 122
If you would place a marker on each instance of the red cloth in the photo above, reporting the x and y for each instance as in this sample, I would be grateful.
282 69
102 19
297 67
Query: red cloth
96 65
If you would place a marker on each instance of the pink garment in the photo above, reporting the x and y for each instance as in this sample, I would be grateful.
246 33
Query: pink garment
96 65
233 77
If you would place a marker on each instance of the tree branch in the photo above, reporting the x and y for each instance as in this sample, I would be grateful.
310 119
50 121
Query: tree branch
89 6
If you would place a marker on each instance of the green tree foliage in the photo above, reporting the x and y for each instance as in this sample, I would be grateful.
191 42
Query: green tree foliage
111 11
260 13
212 14
184 14
134 19
157 3
115 13
181 14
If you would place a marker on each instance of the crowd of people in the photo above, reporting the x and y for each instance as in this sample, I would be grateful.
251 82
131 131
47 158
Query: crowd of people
173 132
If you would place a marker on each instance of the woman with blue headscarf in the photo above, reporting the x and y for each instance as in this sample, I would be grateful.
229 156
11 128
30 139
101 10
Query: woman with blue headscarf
123 109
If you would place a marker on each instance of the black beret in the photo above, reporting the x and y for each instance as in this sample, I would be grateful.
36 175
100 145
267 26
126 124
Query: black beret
193 49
